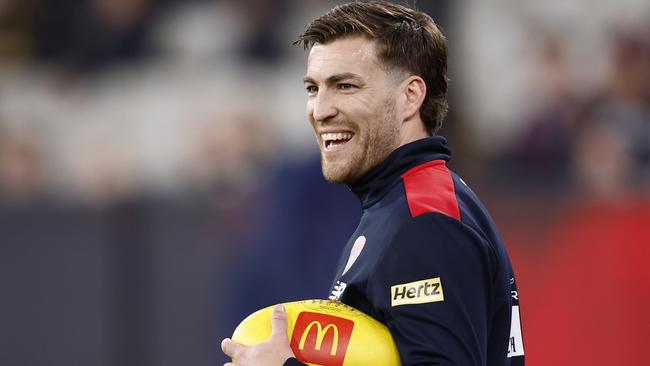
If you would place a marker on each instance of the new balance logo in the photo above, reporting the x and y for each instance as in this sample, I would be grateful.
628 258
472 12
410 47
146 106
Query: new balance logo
338 291
418 292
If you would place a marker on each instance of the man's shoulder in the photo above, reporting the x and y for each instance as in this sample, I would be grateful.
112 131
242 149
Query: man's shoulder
430 187
430 197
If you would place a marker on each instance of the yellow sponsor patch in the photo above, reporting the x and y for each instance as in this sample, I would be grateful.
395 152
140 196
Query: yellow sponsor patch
418 292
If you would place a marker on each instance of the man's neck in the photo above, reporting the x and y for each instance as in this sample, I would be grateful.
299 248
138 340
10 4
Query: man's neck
412 130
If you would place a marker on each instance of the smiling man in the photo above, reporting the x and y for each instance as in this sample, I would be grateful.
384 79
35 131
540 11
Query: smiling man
351 105
426 258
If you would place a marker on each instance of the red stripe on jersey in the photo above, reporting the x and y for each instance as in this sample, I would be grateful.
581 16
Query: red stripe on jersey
430 188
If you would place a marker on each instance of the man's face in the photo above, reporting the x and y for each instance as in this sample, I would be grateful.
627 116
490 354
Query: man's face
353 107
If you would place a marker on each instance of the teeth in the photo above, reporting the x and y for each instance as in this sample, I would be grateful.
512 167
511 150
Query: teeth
336 136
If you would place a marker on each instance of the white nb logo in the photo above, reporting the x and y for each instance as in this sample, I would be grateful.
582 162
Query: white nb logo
338 291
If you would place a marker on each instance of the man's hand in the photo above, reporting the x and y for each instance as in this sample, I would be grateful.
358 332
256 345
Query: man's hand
274 352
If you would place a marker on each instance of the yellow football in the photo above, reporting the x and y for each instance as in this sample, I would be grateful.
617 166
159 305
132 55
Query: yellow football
325 333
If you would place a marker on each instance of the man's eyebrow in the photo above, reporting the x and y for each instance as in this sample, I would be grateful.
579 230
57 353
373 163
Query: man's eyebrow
344 76
308 80
335 78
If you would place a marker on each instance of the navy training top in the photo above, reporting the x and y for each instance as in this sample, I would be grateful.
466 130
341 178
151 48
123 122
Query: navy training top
427 261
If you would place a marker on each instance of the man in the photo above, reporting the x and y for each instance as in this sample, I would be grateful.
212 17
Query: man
426 259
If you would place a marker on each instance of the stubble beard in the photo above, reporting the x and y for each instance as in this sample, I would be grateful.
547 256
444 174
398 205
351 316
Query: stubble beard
381 140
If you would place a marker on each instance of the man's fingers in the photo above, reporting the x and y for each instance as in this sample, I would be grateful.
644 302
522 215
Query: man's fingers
279 321
231 348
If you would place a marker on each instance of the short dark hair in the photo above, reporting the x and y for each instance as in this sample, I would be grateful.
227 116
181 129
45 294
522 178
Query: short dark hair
409 40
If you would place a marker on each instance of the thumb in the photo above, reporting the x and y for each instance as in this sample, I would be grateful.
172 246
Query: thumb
279 321
231 348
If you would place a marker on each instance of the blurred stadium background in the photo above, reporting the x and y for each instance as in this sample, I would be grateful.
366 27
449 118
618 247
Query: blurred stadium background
158 179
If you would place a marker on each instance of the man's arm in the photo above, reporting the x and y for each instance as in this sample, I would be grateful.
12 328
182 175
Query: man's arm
433 288
293 362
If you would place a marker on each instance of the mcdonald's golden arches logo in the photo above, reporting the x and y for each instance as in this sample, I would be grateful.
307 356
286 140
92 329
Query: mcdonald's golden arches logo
321 339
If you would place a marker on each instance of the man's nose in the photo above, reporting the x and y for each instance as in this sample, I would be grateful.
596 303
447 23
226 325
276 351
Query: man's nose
323 107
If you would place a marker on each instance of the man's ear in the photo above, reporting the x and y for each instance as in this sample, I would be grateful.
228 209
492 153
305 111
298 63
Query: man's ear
414 90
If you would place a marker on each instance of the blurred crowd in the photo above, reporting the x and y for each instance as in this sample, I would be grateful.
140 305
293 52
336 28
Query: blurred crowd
188 116
102 99
598 140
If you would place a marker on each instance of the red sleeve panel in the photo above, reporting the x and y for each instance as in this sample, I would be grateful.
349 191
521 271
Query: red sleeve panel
422 199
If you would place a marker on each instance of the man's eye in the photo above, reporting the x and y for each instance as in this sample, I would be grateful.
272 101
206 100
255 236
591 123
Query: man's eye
346 86
311 89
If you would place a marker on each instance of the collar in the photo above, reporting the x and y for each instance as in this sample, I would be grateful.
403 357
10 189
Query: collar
376 184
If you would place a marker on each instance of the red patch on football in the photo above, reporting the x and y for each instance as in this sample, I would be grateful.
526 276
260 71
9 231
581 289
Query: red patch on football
321 339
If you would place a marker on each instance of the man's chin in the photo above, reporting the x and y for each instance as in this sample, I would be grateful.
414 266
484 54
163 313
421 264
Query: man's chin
334 178
339 175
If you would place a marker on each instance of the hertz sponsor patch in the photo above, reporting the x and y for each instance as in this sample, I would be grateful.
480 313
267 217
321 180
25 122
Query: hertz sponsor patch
418 292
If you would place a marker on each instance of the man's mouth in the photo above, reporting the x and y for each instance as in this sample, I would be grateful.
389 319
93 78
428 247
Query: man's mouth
336 140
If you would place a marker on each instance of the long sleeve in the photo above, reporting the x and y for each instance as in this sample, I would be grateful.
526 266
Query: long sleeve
433 287
293 362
